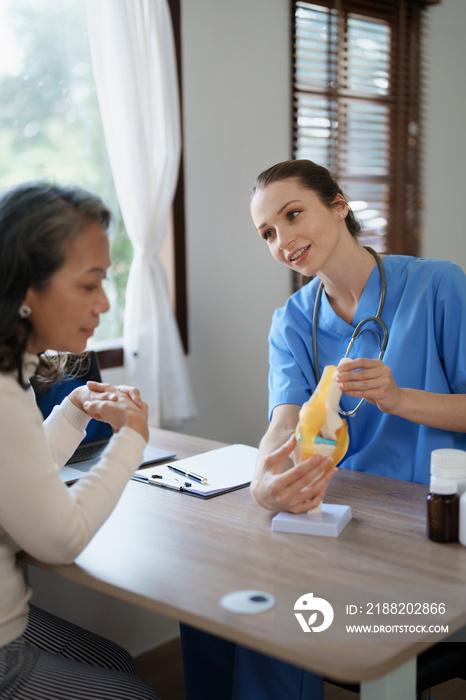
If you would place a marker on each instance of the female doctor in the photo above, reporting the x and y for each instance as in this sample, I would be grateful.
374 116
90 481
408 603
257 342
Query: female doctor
403 321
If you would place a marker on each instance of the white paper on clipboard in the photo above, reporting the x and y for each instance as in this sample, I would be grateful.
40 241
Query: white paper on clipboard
226 469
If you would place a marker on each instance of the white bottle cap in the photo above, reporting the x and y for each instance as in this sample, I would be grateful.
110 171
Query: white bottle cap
462 527
445 487
448 463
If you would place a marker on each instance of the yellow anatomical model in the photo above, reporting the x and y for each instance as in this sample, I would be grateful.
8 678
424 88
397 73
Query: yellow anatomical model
320 429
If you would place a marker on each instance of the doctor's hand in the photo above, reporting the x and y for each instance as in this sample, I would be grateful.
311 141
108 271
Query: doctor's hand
296 490
370 380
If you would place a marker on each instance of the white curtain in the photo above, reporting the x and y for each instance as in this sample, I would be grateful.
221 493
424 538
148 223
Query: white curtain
133 59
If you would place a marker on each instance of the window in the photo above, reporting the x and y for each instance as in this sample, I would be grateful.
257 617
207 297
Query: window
50 127
49 118
356 108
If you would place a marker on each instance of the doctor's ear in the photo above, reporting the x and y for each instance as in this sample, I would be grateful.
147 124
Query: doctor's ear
341 207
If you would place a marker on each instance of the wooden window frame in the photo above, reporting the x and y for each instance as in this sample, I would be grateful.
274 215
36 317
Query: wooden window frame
405 20
179 217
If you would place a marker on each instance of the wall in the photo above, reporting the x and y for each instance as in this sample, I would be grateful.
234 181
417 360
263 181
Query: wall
444 231
236 108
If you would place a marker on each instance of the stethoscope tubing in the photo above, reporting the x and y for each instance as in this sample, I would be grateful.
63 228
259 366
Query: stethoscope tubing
358 330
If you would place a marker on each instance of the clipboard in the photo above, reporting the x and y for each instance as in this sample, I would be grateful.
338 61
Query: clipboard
226 469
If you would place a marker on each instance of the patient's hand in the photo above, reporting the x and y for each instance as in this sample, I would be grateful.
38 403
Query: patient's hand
117 405
133 393
119 410
89 393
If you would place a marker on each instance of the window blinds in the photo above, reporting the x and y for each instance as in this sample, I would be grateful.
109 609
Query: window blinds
356 108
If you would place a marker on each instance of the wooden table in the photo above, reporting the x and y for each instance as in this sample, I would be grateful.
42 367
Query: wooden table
178 555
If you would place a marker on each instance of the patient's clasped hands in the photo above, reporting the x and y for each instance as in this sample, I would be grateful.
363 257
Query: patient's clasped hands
118 405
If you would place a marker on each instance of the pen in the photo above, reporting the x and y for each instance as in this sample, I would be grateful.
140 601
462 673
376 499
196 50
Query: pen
190 475
167 485
140 477
148 480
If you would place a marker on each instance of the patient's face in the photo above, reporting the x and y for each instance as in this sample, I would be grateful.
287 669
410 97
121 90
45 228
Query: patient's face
66 312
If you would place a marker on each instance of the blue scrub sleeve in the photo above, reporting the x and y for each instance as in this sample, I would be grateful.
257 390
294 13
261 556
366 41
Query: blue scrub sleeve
450 326
287 382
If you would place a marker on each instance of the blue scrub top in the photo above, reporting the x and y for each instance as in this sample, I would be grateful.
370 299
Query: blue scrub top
425 312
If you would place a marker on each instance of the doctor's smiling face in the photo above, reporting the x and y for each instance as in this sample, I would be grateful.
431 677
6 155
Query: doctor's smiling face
300 230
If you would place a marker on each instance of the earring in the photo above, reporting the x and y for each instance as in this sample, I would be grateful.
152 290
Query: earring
342 216
24 311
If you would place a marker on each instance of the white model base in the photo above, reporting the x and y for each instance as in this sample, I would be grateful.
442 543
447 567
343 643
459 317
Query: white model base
329 522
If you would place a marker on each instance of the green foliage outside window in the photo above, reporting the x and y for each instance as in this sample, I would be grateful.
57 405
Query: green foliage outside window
50 124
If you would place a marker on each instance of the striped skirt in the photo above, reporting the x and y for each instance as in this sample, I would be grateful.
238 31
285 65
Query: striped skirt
56 660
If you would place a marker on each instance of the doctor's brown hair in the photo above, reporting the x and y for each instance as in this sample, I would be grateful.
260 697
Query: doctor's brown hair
311 176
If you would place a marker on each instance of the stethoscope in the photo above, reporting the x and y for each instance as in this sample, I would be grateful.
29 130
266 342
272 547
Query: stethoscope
359 328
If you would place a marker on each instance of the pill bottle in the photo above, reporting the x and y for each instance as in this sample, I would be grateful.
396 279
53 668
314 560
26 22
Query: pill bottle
462 525
449 463
442 510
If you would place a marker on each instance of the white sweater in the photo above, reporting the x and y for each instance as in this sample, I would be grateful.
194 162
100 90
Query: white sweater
38 513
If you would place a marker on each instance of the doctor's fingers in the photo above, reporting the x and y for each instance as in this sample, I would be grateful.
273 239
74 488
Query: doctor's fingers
273 461
298 500
377 375
349 369
310 476
381 391
309 471
378 388
312 495
314 500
